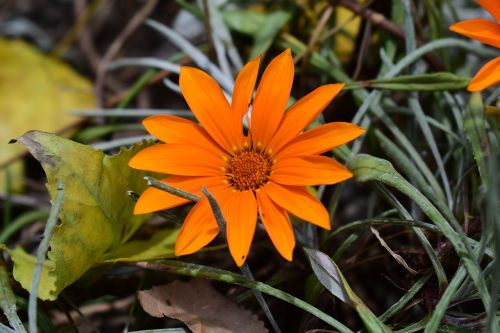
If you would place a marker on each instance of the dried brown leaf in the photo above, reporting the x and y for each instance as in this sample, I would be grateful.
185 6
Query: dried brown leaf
200 307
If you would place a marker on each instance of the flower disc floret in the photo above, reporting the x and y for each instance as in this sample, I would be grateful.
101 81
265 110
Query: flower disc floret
248 170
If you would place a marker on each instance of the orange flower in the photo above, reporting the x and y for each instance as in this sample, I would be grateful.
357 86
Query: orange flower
487 32
264 172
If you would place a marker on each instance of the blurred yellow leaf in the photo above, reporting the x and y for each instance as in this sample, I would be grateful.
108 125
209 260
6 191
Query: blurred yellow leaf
345 42
36 92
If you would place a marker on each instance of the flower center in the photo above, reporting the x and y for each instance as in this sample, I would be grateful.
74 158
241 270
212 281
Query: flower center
248 170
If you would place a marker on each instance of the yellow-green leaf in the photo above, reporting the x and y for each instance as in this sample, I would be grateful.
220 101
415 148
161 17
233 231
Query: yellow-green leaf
96 215
160 246
36 92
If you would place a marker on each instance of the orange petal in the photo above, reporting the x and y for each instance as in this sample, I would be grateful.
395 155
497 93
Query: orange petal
209 105
271 98
244 87
309 170
199 229
277 224
492 6
178 159
240 213
200 226
299 202
320 139
302 113
483 30
487 76
153 199
171 129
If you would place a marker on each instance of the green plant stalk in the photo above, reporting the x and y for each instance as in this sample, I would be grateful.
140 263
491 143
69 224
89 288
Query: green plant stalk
415 327
43 319
431 141
376 221
8 302
194 270
408 296
21 222
222 226
6 329
330 276
172 190
245 269
40 258
367 168
7 206
474 128
429 250
137 87
444 301
407 166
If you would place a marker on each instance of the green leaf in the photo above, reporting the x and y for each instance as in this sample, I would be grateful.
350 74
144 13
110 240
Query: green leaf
96 216
247 22
332 279
475 131
262 27
268 32
327 273
420 82
160 246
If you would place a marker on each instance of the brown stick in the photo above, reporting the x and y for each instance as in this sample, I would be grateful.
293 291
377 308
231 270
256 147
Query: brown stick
133 24
383 22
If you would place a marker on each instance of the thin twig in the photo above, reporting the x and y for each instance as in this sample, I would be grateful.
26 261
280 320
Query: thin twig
92 327
363 50
133 24
208 27
314 36
82 21
67 315
396 256
381 21
312 41
85 38
376 18
40 257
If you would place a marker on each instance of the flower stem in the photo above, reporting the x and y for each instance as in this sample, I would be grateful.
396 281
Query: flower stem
245 269
172 190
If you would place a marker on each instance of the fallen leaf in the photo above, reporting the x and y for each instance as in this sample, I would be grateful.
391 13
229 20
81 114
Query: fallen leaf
200 307
36 92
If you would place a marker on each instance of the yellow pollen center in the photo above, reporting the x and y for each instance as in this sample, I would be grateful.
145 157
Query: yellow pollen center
248 170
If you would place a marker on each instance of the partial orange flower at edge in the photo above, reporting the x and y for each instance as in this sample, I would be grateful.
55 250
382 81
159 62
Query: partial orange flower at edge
264 172
487 32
